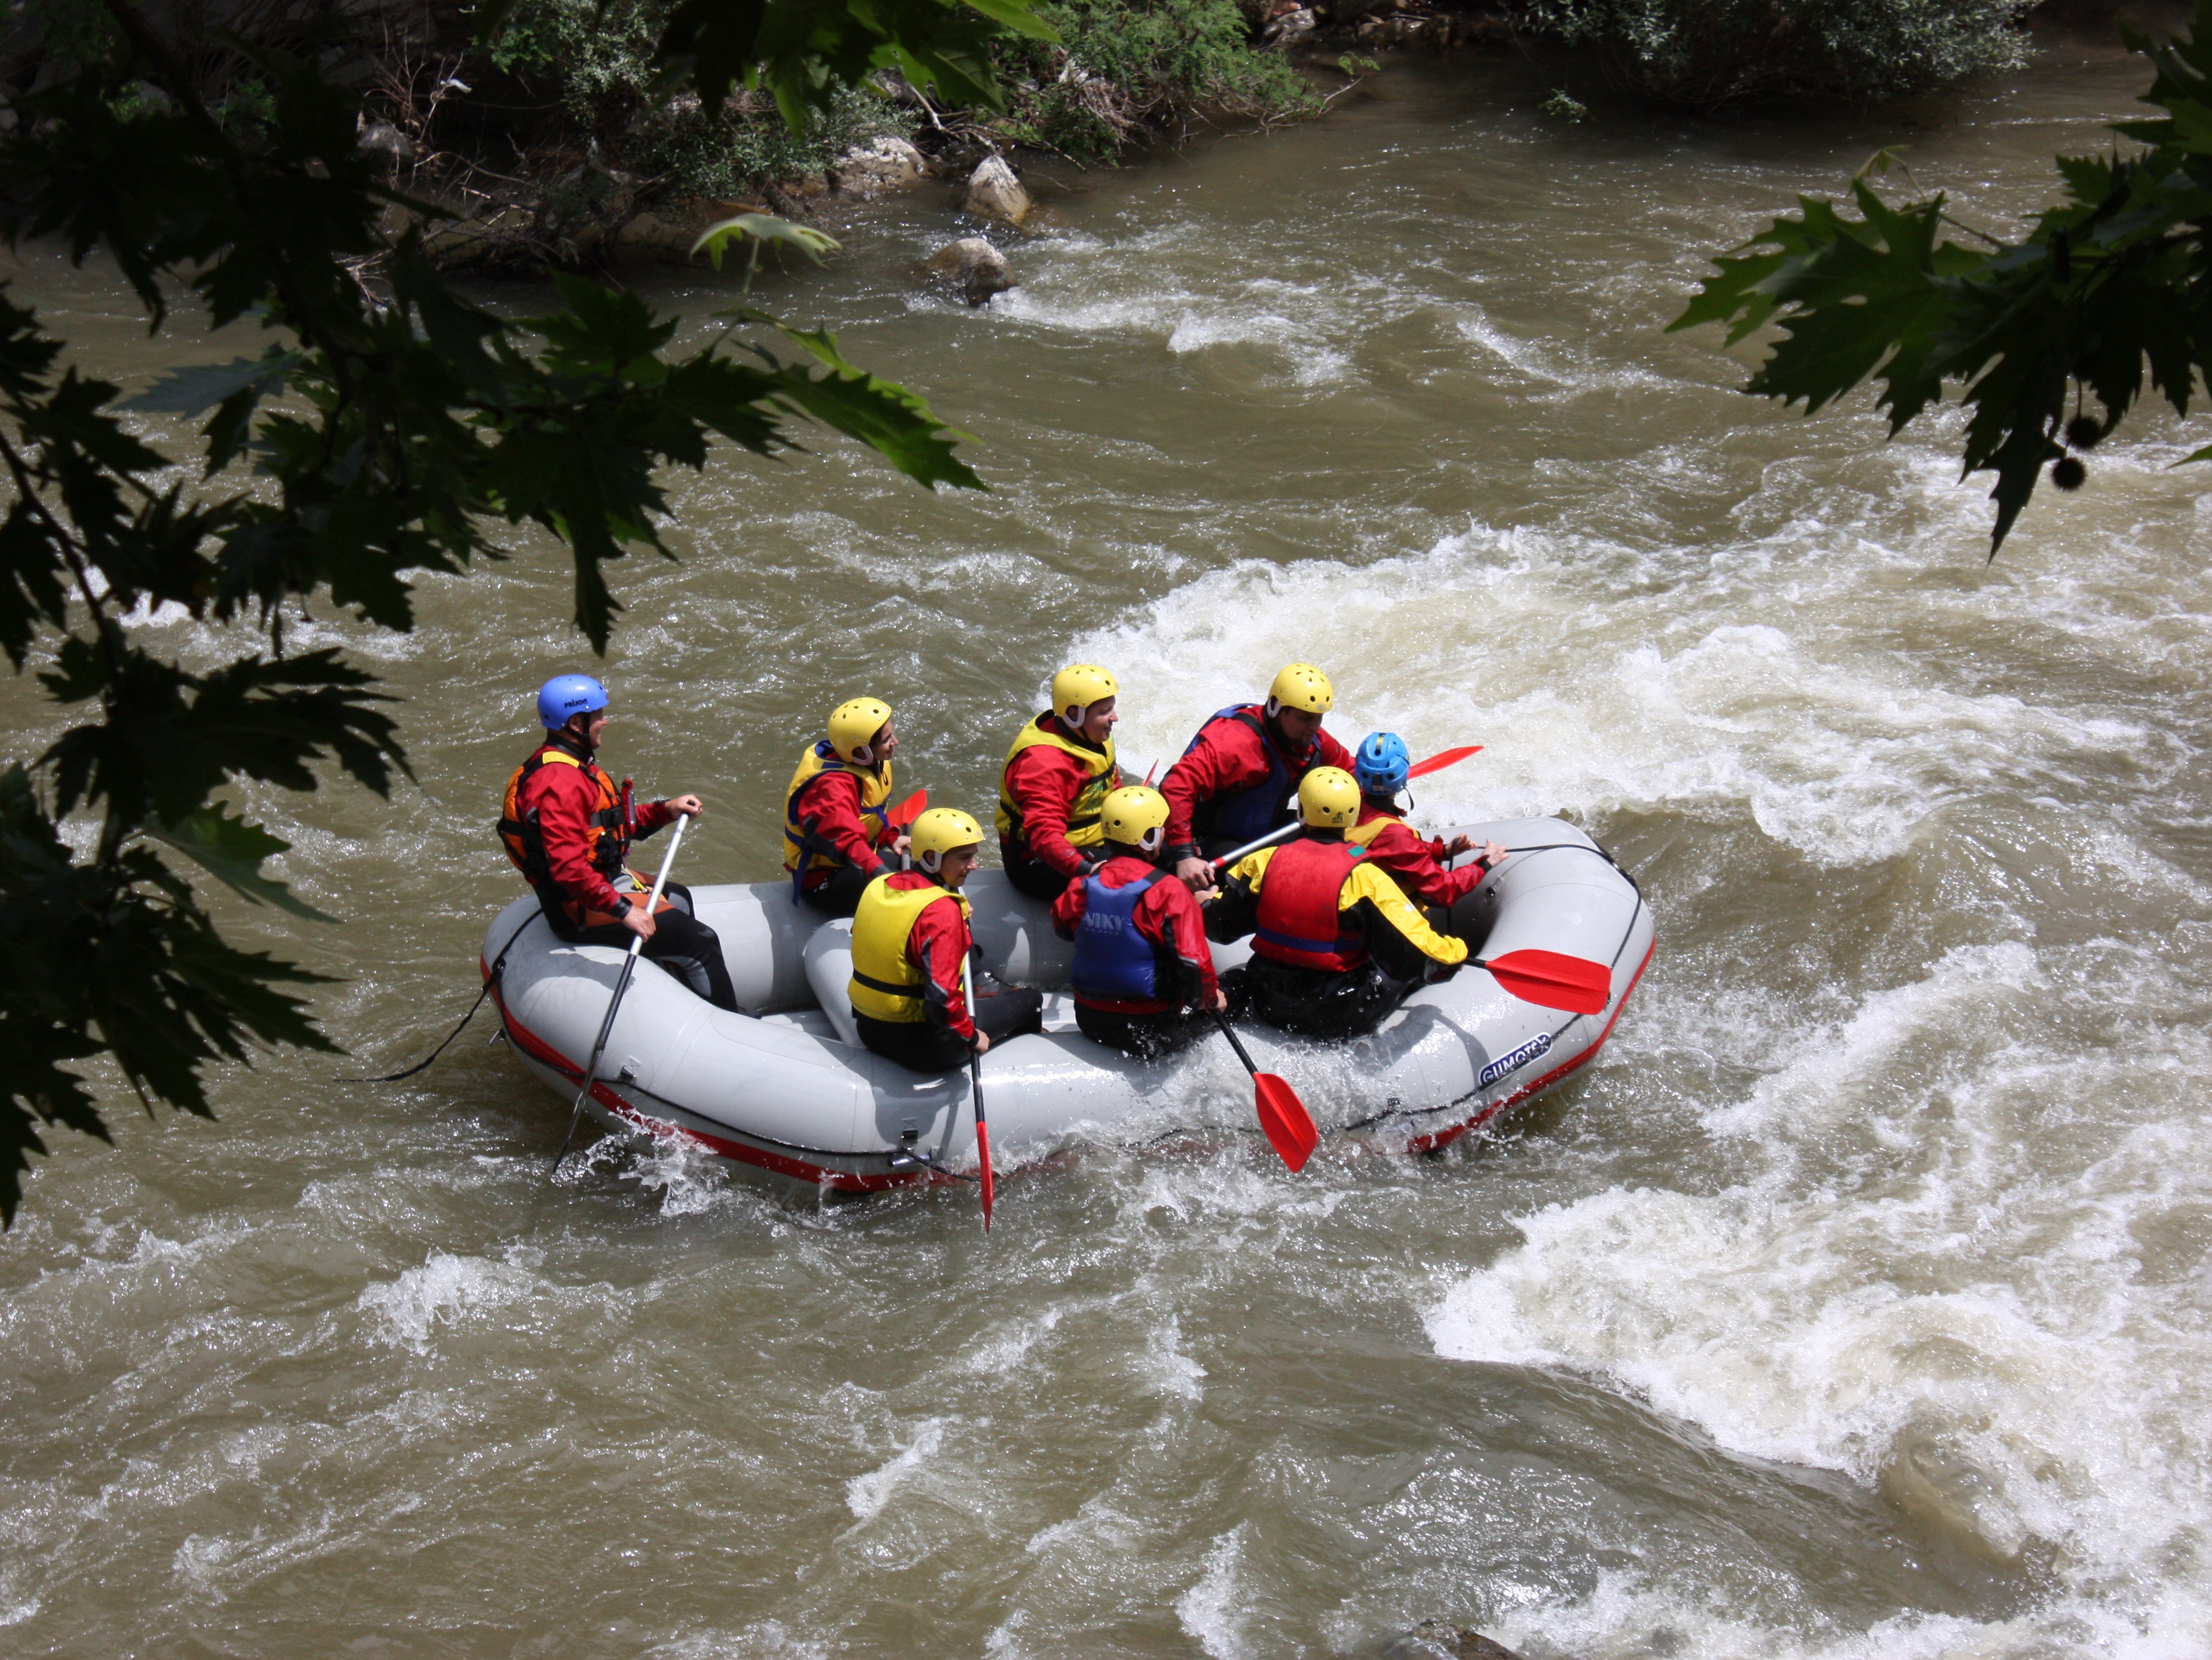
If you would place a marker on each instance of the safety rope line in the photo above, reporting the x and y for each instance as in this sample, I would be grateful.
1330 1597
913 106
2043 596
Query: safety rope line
498 965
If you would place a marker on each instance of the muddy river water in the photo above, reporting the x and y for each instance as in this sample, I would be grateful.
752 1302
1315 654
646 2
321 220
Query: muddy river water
1854 1304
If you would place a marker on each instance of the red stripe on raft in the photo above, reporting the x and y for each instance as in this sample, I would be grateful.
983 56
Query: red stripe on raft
1436 1140
782 1164
853 1181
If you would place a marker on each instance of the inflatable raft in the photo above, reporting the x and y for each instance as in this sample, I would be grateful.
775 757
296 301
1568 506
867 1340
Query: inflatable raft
787 1089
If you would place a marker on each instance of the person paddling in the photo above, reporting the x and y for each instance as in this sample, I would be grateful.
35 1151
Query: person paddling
1236 781
1380 769
1143 978
837 835
1335 945
910 937
1057 775
569 830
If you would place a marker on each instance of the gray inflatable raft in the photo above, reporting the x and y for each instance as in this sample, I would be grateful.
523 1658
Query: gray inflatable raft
787 1090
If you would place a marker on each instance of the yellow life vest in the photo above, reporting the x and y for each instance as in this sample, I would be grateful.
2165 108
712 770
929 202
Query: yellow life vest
804 852
1084 829
886 981
1361 834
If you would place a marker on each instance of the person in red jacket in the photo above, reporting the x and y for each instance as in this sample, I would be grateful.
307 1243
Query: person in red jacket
910 947
569 830
1143 974
1058 773
1235 782
837 836
1417 864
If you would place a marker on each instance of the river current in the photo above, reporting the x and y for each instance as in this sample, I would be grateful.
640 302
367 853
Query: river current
1854 1304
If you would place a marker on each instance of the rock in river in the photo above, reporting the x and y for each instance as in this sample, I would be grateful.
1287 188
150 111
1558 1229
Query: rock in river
882 164
993 193
973 266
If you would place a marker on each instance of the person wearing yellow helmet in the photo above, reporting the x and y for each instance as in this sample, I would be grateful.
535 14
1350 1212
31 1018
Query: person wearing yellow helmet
1143 974
1235 782
910 939
1059 770
837 830
1335 943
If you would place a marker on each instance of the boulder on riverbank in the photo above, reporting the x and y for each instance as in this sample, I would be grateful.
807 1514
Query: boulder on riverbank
993 193
972 267
883 164
1438 1640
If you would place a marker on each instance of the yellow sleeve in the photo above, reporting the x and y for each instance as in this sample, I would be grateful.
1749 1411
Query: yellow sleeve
1372 881
1250 869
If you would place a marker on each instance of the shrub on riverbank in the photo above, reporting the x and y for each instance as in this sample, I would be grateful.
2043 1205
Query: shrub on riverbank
1712 54
1131 69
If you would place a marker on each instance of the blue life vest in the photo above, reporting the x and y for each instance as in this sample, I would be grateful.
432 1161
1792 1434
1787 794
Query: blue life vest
1245 815
1112 961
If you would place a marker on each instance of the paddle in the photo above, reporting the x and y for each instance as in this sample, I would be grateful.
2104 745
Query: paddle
975 1086
1288 1126
1438 763
1434 763
622 985
908 811
1553 980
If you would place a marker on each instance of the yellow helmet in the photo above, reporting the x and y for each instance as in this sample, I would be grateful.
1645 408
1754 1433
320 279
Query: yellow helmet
854 725
938 831
1302 686
1135 816
1329 799
1080 685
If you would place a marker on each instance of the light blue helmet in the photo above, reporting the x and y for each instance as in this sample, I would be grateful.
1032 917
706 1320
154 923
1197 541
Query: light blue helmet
1382 764
565 695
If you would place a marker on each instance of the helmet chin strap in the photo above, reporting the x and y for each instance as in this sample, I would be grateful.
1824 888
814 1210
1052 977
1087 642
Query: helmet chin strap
1275 706
930 862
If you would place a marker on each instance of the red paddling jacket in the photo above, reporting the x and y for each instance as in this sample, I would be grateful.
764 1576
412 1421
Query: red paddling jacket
567 829
1417 864
1318 902
1236 781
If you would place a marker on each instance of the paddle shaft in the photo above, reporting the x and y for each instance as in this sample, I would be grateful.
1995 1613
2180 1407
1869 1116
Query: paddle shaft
1235 1042
1435 763
622 985
975 1088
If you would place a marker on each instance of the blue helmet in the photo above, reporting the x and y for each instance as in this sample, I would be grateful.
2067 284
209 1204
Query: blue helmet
1382 764
565 695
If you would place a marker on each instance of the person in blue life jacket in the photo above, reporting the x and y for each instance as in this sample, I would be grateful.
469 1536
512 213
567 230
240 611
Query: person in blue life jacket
1336 946
1236 781
1143 979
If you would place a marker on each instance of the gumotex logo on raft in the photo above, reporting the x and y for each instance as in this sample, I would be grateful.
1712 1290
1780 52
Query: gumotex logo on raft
1539 1044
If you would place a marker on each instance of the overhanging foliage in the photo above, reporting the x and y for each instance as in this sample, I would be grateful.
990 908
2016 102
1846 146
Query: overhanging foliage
409 422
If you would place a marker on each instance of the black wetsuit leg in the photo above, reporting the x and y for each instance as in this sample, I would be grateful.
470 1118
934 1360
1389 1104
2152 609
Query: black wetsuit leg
917 1045
1319 1004
1003 1010
841 895
681 943
1033 876
1147 1037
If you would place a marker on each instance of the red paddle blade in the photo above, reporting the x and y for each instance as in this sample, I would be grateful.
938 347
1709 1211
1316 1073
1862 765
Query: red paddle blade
983 1155
1554 981
1438 763
909 810
1288 1126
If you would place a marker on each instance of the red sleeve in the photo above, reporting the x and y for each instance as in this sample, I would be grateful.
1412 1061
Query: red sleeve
1413 863
1169 915
653 816
1332 753
1044 782
939 946
1226 754
1067 909
830 804
564 799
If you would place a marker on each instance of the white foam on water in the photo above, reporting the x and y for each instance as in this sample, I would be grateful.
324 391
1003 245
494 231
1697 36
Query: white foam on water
867 1495
1931 1267
1211 1611
445 1291
1166 1368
